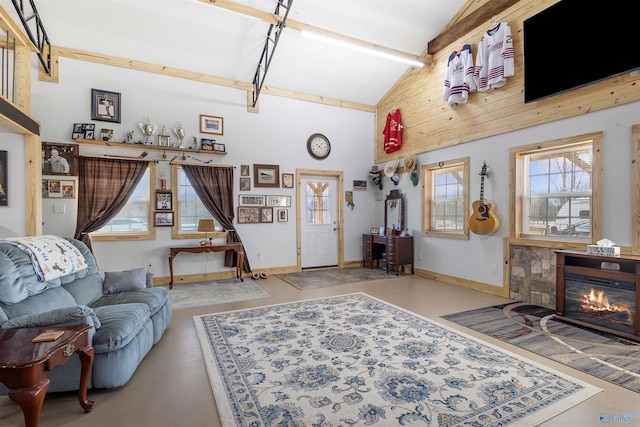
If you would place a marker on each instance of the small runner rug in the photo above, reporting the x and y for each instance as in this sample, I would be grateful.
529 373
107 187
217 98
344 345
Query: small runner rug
533 328
354 359
214 292
323 278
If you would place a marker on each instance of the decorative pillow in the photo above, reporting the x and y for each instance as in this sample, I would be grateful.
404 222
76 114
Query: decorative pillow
127 280
58 317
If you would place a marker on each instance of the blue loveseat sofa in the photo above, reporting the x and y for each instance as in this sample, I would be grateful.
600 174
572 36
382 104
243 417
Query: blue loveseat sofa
127 313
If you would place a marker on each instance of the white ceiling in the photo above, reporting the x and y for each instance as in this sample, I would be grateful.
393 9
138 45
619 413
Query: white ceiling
197 36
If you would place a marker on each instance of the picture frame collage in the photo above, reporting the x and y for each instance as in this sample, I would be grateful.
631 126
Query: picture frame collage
264 176
163 214
83 131
58 189
259 209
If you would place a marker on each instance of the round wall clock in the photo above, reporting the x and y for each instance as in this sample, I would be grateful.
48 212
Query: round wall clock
318 146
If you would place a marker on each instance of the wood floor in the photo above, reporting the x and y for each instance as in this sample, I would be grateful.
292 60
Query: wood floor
171 386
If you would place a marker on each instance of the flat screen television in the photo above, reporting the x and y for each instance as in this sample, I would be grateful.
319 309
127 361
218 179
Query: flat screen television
575 42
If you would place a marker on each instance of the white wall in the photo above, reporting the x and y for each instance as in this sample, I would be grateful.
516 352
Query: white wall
472 259
276 135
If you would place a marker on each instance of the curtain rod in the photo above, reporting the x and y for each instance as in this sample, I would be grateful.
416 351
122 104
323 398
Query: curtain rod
171 162
109 156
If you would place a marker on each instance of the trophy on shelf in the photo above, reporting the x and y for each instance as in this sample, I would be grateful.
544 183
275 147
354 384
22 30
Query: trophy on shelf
148 129
163 137
179 131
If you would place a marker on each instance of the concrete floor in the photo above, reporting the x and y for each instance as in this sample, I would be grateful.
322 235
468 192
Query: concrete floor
171 386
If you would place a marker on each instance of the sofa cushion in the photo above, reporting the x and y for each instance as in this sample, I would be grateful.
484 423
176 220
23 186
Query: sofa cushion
154 298
127 280
119 325
86 290
60 316
50 300
20 281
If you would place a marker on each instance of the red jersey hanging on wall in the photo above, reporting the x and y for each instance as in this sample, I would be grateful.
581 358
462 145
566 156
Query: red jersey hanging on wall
393 131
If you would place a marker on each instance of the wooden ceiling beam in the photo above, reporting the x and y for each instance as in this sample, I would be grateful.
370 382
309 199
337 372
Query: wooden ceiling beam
272 18
58 51
475 19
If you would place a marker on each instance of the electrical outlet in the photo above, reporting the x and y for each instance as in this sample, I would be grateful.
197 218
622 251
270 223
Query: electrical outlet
259 255
494 269
58 209
420 256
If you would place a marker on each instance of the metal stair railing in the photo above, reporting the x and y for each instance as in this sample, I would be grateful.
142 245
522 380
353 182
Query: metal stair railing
40 39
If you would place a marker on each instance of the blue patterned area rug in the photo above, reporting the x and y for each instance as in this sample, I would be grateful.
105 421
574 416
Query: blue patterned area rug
357 360
533 328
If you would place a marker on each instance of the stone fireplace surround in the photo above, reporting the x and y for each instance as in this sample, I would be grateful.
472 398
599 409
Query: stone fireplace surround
532 275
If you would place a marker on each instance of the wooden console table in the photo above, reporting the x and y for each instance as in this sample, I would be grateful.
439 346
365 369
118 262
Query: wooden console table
221 247
25 365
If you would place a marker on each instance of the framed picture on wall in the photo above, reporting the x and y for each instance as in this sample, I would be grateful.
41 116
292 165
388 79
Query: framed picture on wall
211 124
248 215
287 180
59 159
164 201
245 184
68 189
55 188
266 176
163 219
3 178
250 200
266 214
105 106
279 201
283 215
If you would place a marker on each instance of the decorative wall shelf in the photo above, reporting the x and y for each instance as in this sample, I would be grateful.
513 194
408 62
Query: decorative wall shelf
146 147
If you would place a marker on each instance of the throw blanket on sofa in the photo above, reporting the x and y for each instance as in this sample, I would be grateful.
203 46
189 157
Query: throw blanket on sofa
51 256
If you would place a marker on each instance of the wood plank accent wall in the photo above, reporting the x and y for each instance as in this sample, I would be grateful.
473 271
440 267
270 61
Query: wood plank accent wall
431 124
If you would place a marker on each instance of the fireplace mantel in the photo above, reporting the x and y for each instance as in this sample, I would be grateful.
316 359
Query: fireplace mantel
619 275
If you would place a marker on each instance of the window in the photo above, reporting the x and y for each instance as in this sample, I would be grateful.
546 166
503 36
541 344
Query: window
134 221
446 208
189 209
555 189
318 203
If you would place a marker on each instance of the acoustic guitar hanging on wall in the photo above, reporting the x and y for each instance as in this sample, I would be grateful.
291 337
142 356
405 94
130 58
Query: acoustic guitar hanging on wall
483 219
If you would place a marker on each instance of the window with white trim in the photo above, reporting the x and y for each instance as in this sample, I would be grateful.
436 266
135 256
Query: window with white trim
554 190
446 198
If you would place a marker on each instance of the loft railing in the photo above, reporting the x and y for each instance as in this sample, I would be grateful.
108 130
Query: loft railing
273 36
36 32
7 66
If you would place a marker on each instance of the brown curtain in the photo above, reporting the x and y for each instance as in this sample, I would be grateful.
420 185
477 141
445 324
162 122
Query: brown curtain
104 188
214 186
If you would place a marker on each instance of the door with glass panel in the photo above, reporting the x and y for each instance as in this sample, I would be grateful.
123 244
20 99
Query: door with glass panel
319 221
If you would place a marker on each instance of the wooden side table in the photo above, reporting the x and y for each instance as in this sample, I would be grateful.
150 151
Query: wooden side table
25 365
220 247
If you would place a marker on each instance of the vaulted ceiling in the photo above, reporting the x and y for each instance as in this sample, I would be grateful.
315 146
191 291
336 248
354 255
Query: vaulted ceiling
225 39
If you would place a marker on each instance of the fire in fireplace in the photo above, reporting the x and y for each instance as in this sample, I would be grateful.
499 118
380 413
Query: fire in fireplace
602 302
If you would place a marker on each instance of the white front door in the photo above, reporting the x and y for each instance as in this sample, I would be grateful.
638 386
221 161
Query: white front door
318 197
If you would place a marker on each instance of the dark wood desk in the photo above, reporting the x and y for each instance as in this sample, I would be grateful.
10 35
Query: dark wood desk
25 365
221 247
398 249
